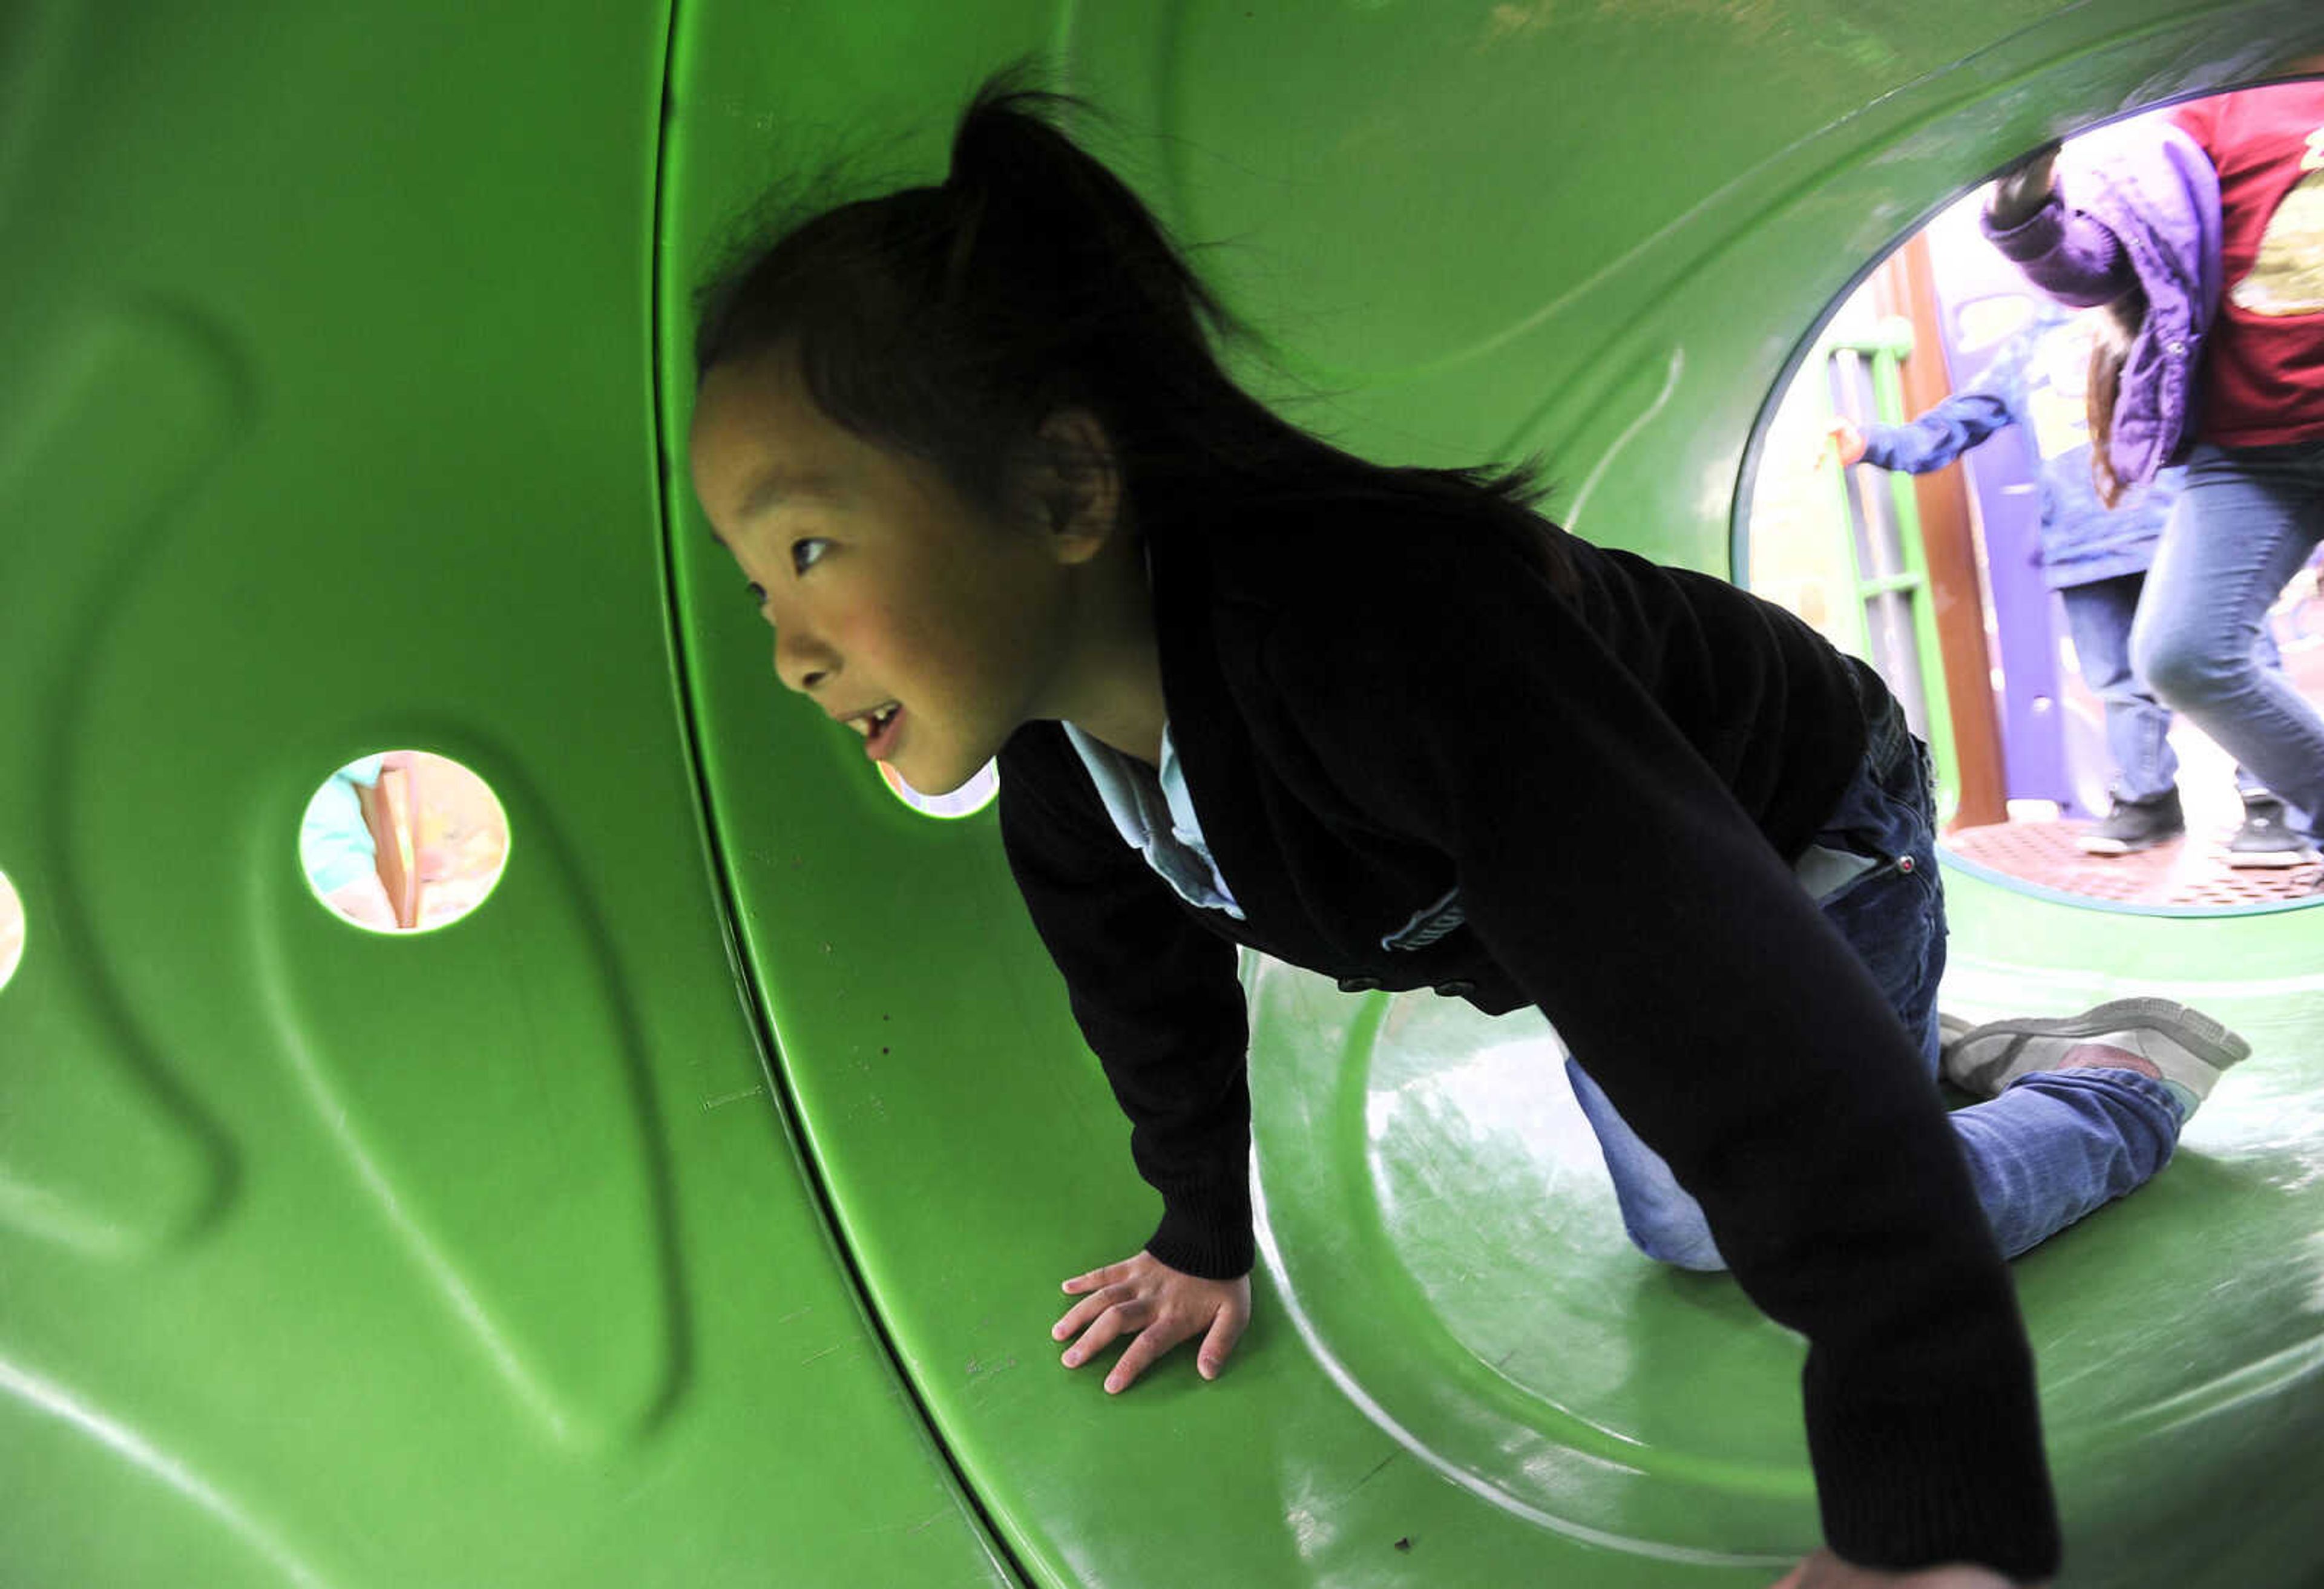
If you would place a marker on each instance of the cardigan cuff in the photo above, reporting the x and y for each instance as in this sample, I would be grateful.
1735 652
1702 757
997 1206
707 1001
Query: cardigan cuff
1880 444
1205 1233
2037 234
1945 1472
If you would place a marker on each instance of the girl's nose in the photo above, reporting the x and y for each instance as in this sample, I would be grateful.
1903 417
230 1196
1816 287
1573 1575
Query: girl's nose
800 662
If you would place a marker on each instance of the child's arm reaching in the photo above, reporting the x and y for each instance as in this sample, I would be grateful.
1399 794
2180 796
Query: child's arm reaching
1930 441
1159 1001
1965 418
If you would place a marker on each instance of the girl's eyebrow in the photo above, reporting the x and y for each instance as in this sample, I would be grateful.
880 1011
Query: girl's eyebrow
777 483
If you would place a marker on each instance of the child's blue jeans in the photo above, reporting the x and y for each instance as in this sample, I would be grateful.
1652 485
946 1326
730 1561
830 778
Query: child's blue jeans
2053 1146
2242 525
2098 617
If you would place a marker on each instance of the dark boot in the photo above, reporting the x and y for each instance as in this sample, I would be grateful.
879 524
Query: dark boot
2266 839
2134 826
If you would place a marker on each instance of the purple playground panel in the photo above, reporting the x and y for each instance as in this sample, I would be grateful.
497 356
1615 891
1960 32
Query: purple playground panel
1980 299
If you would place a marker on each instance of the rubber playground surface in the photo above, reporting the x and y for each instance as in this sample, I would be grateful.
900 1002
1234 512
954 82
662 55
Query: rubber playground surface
2189 873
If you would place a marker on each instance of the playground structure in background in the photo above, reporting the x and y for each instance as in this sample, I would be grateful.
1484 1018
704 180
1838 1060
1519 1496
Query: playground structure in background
1935 580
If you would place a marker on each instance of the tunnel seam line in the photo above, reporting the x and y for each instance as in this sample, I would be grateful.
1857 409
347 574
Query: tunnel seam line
715 858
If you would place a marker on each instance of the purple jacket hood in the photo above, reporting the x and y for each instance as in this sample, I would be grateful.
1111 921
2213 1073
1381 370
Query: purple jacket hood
2141 202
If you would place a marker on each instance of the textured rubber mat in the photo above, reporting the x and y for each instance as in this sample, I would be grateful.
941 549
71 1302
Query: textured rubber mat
2193 872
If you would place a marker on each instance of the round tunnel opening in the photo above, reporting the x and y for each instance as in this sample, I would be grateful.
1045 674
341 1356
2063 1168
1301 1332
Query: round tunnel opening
1966 556
966 801
402 842
11 930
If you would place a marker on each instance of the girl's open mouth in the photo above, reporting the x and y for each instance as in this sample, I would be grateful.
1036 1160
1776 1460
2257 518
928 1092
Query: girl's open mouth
879 743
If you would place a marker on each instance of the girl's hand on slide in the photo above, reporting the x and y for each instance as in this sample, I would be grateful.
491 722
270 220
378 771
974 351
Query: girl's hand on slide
1823 1570
1159 1306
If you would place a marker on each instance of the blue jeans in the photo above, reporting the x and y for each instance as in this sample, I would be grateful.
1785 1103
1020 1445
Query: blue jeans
2052 1147
2245 522
2098 617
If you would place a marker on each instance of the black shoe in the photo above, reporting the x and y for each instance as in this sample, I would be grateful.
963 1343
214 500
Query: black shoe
2134 826
2265 839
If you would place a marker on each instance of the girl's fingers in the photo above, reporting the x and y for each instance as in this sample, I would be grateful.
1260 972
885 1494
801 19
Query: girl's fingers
1097 1278
1152 1341
1088 1308
1108 1328
1226 1329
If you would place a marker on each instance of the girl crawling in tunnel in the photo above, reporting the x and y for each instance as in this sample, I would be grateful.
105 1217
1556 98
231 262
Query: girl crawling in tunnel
977 458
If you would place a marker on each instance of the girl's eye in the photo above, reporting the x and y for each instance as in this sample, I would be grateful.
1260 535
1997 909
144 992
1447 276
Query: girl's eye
806 553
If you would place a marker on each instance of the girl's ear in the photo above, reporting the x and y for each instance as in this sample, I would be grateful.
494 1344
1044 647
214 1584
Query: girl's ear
1075 486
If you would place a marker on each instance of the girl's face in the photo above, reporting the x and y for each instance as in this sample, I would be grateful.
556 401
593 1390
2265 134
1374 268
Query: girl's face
930 628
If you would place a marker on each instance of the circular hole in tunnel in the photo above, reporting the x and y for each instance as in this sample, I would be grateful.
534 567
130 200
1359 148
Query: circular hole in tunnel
403 841
11 930
1970 557
967 800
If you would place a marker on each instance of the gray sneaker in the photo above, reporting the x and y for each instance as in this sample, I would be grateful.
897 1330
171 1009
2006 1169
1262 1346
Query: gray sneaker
2183 1049
2266 838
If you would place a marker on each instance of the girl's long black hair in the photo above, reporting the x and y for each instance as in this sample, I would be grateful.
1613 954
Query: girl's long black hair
948 322
2110 342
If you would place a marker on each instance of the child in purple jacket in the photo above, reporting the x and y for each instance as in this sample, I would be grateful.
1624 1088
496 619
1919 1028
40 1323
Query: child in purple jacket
2212 217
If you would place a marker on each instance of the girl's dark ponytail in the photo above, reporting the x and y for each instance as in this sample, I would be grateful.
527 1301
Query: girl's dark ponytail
948 322
1077 270
2110 347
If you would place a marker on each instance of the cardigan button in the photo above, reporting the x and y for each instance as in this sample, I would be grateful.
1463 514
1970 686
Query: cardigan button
1458 987
1359 984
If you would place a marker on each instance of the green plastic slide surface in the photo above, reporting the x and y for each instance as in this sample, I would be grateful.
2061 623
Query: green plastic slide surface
693 1213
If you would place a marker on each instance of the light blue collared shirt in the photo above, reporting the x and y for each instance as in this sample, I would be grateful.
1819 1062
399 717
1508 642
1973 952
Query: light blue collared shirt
1154 812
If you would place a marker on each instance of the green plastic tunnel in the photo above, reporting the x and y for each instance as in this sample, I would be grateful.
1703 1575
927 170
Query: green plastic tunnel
693 1212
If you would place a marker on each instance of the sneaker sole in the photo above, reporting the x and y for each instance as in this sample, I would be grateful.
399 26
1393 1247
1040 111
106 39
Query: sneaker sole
2280 860
2095 846
2206 1038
